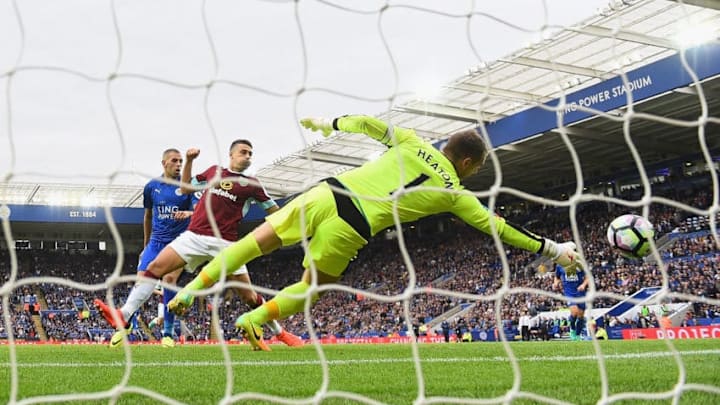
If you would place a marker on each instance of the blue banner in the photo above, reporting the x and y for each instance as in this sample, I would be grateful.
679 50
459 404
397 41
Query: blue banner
96 215
644 82
90 215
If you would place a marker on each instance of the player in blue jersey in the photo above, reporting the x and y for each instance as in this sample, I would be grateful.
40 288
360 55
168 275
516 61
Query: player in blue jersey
574 285
167 215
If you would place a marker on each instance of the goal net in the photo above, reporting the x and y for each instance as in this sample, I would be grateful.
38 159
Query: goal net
593 110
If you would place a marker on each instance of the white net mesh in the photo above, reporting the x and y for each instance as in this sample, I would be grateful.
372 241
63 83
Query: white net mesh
110 85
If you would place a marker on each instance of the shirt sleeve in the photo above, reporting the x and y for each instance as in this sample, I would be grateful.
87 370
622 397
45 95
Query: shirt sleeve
261 196
374 128
147 196
469 209
204 176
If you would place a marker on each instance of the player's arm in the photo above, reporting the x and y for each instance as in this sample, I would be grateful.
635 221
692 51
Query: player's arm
147 226
191 201
261 197
186 175
557 279
586 280
469 209
180 215
147 217
360 124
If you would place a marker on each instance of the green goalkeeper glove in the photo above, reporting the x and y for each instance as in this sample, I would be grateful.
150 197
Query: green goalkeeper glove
563 254
318 124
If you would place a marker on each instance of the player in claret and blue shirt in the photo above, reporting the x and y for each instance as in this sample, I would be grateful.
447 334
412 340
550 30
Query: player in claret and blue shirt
225 202
574 285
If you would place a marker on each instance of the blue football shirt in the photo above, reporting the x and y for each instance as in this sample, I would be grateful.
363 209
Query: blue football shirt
165 200
570 282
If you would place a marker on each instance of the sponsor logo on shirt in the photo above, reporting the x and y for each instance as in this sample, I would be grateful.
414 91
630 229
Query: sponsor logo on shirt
223 193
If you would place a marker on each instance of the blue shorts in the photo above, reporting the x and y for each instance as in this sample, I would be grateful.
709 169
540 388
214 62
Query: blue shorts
580 305
151 251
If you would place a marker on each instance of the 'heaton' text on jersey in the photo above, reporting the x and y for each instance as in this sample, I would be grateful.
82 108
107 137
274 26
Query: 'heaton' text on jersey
411 161
570 282
230 200
165 200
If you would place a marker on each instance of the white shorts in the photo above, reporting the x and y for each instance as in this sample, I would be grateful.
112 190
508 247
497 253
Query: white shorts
197 249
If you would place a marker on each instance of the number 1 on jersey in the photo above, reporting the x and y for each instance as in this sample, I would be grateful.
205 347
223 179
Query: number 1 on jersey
416 182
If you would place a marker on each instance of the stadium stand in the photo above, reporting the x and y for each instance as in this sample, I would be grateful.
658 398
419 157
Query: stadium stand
445 254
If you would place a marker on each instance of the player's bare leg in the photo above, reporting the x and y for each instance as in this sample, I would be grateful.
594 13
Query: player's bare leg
576 326
261 241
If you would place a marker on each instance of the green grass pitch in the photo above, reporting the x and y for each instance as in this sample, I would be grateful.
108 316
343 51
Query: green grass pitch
566 372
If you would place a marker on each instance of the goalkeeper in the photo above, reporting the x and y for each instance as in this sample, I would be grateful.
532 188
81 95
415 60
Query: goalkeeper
342 213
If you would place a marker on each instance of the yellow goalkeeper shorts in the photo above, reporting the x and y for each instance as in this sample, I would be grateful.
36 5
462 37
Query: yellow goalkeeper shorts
334 242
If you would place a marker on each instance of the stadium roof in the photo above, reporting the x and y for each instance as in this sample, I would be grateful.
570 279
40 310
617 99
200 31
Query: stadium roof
624 36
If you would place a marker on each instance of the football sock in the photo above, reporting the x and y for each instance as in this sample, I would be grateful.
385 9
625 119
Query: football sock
168 317
140 293
133 321
274 327
579 325
232 258
573 320
273 324
282 305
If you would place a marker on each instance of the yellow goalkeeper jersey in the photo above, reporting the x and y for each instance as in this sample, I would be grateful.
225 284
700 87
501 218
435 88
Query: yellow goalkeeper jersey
430 181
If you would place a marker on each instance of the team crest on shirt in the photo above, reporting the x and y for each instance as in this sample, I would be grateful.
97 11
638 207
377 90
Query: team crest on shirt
226 185
178 192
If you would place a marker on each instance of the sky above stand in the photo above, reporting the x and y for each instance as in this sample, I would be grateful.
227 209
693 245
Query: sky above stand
82 103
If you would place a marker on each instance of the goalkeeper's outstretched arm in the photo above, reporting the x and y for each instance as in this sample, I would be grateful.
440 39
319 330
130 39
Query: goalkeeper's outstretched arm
469 209
358 124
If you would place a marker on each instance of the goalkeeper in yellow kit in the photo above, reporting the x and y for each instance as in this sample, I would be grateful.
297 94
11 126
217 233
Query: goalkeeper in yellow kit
340 214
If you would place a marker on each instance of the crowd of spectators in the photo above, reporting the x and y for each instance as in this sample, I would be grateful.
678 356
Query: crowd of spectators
452 267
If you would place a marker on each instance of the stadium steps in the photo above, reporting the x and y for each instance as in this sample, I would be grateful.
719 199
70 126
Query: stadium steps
638 298
40 297
39 328
442 280
455 311
664 243
213 330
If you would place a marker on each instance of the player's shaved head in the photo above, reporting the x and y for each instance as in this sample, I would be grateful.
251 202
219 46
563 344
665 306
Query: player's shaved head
169 151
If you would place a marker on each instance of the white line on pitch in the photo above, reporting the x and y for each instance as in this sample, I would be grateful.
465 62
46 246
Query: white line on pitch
495 359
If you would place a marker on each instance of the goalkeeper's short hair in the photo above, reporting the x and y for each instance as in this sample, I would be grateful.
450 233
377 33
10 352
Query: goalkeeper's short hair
467 143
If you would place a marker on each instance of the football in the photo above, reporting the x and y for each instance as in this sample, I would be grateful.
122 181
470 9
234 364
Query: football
630 235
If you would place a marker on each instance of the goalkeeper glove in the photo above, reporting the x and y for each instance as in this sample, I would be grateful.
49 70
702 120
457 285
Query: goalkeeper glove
318 124
563 254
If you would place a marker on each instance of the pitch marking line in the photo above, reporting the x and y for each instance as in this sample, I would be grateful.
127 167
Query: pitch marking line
272 363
